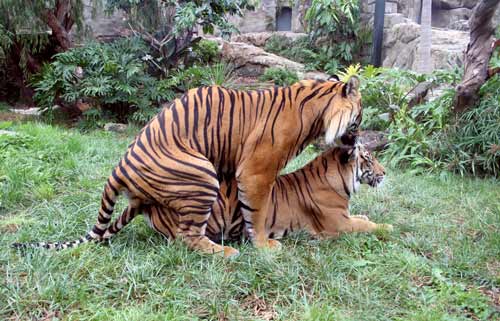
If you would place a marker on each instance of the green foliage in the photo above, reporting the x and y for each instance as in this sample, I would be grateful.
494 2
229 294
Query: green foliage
110 76
303 50
206 51
428 138
472 145
413 134
220 74
335 24
280 76
384 92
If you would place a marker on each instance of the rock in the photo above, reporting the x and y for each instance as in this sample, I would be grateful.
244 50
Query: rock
462 25
259 39
115 127
251 61
402 40
7 133
33 111
373 140
446 18
454 4
418 94
392 19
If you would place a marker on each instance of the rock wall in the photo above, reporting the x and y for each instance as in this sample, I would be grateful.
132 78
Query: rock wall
101 26
401 42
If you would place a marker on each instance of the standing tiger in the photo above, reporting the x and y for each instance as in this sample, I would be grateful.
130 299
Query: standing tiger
179 157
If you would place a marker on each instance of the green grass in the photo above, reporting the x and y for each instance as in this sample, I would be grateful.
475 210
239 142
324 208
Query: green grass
442 258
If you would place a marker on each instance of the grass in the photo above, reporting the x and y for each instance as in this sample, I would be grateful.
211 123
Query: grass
441 263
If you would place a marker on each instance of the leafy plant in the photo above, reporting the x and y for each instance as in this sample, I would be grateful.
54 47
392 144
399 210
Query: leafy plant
280 77
352 70
220 74
335 24
108 76
304 50
472 145
206 51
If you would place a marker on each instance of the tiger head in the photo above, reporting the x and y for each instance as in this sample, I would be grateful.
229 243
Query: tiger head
363 166
344 114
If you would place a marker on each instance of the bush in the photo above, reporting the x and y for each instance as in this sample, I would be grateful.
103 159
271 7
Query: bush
206 51
384 92
279 76
336 26
427 137
109 76
304 51
220 74
472 145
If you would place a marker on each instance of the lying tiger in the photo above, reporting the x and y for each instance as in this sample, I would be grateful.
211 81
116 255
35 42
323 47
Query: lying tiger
314 198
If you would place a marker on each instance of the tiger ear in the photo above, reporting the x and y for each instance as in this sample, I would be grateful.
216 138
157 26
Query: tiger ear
334 78
351 87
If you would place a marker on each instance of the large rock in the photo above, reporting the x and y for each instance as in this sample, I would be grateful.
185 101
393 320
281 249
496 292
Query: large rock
454 4
402 40
448 18
259 39
251 61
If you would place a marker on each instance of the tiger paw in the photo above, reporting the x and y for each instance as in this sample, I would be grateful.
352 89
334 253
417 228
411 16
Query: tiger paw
268 244
230 252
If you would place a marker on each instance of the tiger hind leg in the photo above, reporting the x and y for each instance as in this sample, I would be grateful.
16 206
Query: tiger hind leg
191 198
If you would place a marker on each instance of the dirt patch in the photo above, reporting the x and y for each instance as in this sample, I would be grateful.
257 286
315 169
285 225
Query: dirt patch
494 268
9 116
493 294
9 228
259 307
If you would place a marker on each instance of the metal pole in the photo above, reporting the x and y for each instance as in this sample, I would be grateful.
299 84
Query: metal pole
378 33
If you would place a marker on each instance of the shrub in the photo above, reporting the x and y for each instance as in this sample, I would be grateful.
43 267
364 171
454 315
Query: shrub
427 137
384 92
304 51
335 25
472 145
220 74
110 76
280 77
206 51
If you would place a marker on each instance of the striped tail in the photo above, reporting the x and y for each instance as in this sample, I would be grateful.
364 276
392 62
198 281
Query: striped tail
99 231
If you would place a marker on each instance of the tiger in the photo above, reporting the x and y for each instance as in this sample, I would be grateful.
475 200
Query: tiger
315 199
179 158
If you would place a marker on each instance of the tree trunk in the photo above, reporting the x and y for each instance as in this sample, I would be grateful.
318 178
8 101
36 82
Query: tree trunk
424 62
60 22
477 55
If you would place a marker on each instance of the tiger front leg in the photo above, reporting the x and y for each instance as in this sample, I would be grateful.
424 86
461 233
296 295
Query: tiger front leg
254 193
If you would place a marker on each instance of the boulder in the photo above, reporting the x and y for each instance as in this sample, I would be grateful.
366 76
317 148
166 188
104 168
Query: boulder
115 127
33 111
251 61
402 40
7 133
259 39
454 4
447 18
